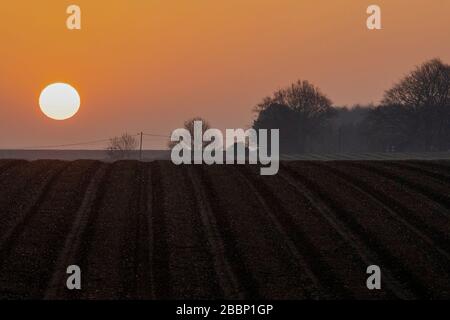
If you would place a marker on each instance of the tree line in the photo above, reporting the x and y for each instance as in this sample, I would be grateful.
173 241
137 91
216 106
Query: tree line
413 116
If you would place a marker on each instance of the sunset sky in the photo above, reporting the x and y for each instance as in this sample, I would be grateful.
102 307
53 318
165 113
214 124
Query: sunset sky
149 65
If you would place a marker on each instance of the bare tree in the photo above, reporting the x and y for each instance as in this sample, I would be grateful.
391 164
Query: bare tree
189 126
311 111
122 147
426 86
426 93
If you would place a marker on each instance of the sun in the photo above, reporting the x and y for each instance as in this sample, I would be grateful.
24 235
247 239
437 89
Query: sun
59 101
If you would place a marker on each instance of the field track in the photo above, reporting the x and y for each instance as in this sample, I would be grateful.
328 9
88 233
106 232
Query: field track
157 231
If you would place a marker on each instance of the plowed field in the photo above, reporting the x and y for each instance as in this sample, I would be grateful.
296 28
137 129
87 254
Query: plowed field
157 231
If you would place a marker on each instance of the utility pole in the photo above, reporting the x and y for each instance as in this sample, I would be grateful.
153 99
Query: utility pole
140 148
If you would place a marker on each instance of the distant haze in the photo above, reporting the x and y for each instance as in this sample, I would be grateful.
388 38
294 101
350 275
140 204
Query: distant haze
150 65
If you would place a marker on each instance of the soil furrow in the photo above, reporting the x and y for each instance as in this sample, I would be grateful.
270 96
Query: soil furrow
423 169
17 187
227 280
35 243
87 233
307 261
402 214
395 247
109 257
68 256
426 186
350 234
233 254
8 238
160 255
144 282
263 257
186 238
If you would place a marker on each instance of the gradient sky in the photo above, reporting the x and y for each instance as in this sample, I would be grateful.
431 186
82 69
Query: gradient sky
149 65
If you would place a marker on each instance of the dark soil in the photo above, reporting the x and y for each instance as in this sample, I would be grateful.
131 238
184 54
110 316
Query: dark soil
157 231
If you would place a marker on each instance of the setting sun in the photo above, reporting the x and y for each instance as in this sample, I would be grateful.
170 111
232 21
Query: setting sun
59 101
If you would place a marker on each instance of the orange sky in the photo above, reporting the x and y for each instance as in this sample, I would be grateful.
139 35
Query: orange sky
149 65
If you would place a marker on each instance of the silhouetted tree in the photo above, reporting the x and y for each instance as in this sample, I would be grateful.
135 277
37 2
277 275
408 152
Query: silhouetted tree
424 97
345 133
389 128
189 126
309 112
122 147
279 116
426 86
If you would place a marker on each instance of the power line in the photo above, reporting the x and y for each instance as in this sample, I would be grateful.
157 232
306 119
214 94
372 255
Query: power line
156 138
68 145
153 135
156 135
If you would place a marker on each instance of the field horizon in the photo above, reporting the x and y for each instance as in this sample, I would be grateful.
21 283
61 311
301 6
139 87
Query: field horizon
155 154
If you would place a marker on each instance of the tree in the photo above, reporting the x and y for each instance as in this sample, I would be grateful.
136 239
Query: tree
280 116
425 95
189 126
122 147
389 128
345 131
310 112
426 86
